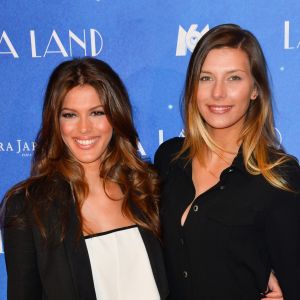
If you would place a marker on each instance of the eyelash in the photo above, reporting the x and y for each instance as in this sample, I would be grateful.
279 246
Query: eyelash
69 115
232 78
235 77
205 78
98 113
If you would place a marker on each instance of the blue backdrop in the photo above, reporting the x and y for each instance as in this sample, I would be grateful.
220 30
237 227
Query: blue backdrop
149 44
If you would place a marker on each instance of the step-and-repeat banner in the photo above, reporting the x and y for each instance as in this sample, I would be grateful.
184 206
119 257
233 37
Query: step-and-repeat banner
149 43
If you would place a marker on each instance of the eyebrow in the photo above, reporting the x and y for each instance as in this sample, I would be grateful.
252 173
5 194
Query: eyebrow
92 108
228 72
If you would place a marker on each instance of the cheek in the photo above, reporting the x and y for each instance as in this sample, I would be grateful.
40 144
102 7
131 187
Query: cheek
64 133
200 104
243 93
243 100
201 93
204 94
199 96
65 128
104 127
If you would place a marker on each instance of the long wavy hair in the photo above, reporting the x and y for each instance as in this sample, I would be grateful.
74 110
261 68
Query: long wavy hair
121 164
260 145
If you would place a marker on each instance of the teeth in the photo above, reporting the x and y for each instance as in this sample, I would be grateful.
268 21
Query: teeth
220 108
85 142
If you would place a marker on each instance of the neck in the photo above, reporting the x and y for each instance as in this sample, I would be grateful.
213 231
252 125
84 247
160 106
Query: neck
228 147
92 175
95 183
223 158
227 140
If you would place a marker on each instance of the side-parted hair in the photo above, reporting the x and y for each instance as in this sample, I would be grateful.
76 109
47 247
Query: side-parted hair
121 164
260 145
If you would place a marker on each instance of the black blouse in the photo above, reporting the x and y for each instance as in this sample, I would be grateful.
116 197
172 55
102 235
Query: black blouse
234 234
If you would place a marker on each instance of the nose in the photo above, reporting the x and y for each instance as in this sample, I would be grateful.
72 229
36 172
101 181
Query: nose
84 125
219 89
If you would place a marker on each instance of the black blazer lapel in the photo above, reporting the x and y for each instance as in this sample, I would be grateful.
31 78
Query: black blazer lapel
155 255
79 260
80 266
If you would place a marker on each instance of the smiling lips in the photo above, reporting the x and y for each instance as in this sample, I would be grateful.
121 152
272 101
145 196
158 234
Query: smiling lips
219 109
85 143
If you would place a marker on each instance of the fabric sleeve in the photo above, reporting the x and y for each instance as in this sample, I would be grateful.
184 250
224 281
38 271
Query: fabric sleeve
20 255
164 155
283 238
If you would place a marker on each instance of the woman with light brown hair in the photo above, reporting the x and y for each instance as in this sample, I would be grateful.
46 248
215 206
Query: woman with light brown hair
85 224
230 208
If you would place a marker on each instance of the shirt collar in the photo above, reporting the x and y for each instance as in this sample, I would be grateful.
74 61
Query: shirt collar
238 164
185 163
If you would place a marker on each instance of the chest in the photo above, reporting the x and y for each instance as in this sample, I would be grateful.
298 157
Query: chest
114 255
234 205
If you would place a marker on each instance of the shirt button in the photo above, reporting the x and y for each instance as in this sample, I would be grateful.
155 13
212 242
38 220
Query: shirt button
185 274
222 187
195 208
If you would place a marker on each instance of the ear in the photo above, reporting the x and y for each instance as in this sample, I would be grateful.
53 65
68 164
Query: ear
254 93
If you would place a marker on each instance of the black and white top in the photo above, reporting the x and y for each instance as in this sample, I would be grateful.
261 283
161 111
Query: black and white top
120 265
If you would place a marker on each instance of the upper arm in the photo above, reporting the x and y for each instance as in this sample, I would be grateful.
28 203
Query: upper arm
165 154
283 239
20 255
159 159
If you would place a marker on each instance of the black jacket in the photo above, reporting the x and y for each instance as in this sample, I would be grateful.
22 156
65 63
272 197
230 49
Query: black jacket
61 270
234 234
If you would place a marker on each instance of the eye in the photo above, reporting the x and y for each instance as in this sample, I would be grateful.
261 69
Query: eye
235 77
68 115
98 113
205 78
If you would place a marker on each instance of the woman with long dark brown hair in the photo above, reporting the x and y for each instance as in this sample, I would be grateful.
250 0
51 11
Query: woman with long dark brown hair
85 224
230 208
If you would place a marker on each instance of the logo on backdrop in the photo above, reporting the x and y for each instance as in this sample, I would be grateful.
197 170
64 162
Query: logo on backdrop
26 148
279 136
1 244
187 39
86 43
20 147
290 42
161 139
